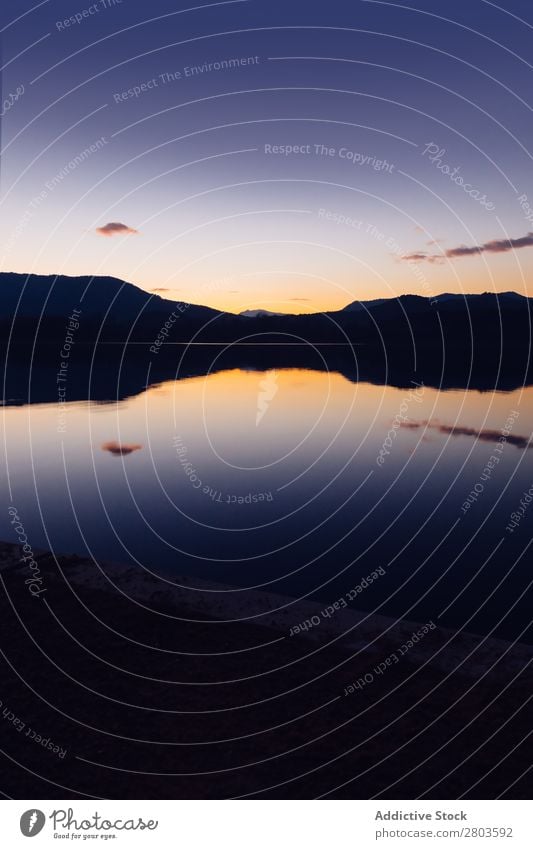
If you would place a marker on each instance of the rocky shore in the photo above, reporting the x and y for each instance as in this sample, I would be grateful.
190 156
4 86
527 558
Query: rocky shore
135 686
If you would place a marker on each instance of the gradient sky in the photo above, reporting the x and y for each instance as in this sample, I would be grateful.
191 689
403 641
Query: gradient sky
209 216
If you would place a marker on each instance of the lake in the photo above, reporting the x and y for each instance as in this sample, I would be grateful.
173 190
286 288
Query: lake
297 480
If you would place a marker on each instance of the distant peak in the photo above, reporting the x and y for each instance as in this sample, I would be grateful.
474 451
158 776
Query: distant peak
258 313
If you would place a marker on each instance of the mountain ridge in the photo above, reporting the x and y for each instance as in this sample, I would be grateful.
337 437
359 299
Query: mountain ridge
446 340
26 291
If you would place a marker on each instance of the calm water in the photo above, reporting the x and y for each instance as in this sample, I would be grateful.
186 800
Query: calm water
270 479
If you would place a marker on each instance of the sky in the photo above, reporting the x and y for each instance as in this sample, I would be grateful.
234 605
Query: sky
292 156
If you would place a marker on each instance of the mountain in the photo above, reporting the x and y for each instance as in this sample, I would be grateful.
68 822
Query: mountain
259 313
417 303
30 295
36 308
505 297
450 340
355 306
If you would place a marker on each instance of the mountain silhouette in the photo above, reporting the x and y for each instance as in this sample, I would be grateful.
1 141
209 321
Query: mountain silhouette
451 339
32 295
259 312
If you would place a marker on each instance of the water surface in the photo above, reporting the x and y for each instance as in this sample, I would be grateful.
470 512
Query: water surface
272 479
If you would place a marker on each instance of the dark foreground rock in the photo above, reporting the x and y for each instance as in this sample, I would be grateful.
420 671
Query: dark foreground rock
116 684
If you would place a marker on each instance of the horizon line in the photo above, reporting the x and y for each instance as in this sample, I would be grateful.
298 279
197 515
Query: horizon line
154 294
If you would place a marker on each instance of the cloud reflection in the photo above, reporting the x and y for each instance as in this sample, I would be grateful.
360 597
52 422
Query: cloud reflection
486 435
120 449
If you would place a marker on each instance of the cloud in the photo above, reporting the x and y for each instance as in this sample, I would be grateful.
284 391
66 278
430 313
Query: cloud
161 289
495 246
120 449
115 228
486 435
417 257
299 299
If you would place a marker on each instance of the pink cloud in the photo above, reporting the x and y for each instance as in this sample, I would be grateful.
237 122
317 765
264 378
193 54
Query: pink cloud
115 228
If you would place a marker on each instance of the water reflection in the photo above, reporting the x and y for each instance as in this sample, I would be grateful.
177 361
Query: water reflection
271 479
120 450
